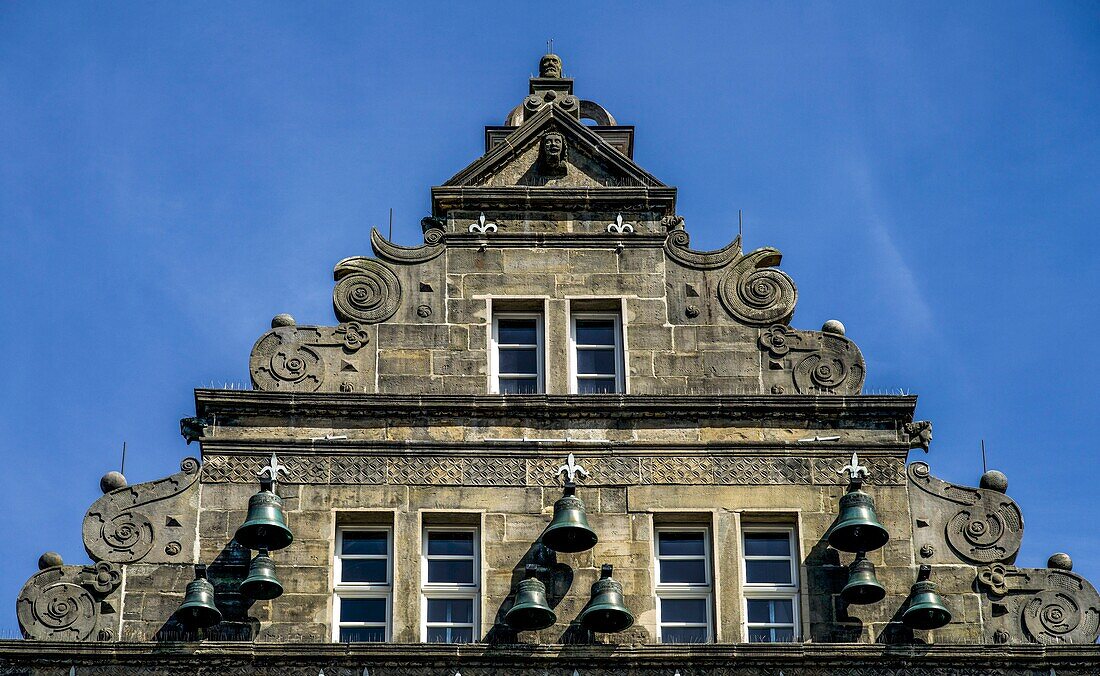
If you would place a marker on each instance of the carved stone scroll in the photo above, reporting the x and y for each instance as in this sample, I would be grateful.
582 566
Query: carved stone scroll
756 292
366 291
292 358
140 522
981 526
676 247
1040 605
811 362
408 255
67 603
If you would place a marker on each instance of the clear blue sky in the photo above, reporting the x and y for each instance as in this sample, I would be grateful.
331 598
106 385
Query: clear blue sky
172 177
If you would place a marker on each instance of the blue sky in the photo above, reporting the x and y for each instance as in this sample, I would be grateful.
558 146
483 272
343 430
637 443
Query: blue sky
172 177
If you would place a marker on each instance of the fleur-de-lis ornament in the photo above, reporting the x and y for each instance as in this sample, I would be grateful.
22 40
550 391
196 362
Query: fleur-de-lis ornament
857 473
571 469
272 470
482 227
618 227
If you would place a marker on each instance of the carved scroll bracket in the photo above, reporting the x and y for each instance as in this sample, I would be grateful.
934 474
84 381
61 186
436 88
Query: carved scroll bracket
292 358
676 247
1041 605
408 255
757 292
366 291
811 362
151 522
68 603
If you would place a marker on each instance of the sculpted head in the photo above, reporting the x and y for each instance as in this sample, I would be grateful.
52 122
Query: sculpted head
553 152
550 66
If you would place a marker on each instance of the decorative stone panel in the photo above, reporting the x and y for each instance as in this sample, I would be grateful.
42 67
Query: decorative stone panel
71 603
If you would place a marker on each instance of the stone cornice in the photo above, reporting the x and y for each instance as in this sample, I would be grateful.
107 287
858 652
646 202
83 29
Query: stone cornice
503 198
766 410
773 656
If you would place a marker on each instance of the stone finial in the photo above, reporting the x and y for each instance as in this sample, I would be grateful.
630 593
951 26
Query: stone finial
994 480
857 473
282 319
49 560
550 66
111 481
1060 561
833 326
571 469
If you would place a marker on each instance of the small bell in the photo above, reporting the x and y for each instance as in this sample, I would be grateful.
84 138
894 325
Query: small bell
863 587
606 612
198 610
264 526
530 611
261 583
857 528
926 607
569 530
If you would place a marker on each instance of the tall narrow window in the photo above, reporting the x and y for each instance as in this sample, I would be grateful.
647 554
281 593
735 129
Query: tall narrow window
517 353
684 587
597 355
451 585
363 571
770 584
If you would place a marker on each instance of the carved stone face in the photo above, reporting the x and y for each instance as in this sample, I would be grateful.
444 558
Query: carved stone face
552 153
550 66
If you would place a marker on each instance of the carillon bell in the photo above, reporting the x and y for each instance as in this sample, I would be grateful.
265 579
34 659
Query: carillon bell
261 583
606 612
531 611
198 610
569 530
863 587
857 528
264 526
926 607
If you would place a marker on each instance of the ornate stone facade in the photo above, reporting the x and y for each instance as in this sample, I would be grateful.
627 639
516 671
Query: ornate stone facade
712 413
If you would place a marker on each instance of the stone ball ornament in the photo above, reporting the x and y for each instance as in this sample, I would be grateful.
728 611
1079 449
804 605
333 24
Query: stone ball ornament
833 326
282 319
1060 561
994 480
49 560
112 481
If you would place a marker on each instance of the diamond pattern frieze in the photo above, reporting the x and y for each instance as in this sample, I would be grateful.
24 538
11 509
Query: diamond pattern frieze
881 471
357 469
496 471
760 470
428 471
678 470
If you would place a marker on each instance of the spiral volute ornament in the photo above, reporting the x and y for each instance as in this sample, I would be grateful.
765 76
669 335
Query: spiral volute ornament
1057 616
52 607
986 533
366 291
757 294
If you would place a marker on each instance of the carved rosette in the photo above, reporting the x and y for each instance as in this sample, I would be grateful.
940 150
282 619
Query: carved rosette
366 291
1041 605
66 603
124 525
981 526
756 292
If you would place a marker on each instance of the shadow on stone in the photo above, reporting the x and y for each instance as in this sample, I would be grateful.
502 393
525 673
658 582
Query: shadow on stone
226 573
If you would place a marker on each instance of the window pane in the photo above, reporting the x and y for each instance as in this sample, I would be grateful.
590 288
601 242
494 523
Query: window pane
783 635
680 544
517 331
450 543
364 543
518 360
768 572
767 544
451 610
683 634
691 611
760 635
362 610
363 570
362 634
595 332
690 571
771 611
450 635
519 385
596 361
596 386
451 571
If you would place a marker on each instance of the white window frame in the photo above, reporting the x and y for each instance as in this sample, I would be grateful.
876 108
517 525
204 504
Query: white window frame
620 378
768 591
494 356
684 590
450 590
361 590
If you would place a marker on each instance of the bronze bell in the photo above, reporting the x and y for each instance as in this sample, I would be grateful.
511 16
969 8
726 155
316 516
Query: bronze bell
606 612
198 610
264 526
261 583
926 607
531 610
569 530
857 528
863 587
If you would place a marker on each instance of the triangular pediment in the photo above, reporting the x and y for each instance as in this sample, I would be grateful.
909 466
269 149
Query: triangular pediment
589 162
